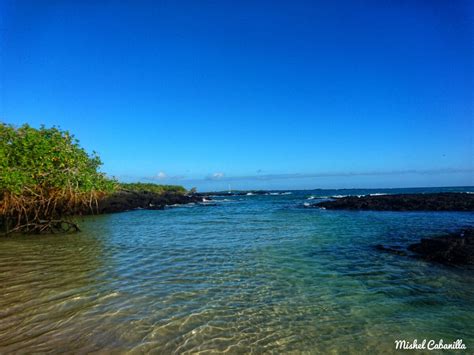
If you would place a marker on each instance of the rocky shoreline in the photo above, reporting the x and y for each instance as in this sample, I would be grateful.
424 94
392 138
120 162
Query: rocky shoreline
125 200
448 201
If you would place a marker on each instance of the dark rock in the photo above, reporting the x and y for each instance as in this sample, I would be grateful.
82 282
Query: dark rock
455 248
130 200
450 201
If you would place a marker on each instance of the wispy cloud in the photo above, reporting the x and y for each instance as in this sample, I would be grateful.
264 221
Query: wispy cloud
216 176
163 176
259 176
268 177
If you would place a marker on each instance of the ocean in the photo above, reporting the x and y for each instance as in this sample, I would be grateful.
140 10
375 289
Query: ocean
240 274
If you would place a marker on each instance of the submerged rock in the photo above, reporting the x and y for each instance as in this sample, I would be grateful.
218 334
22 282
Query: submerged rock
449 201
455 248
392 250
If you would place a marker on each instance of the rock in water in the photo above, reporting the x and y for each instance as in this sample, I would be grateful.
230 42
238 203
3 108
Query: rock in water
455 248
449 201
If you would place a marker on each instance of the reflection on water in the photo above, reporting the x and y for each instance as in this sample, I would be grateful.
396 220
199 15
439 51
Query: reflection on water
253 274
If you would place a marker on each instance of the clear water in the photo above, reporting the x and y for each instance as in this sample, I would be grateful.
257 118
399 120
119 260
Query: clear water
253 274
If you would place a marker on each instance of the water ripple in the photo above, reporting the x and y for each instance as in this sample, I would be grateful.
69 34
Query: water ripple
254 276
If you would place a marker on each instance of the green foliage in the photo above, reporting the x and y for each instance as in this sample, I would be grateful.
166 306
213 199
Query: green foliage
45 175
47 158
154 188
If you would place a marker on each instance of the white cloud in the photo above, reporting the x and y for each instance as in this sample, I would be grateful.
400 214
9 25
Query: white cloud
161 175
216 176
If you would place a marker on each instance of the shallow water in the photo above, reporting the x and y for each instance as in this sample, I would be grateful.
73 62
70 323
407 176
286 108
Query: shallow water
253 274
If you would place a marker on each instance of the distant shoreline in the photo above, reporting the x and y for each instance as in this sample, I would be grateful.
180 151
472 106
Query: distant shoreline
374 189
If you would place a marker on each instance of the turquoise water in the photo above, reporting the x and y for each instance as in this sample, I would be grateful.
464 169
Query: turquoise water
252 274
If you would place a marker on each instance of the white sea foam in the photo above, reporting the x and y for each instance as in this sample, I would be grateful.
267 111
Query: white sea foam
378 194
341 196
191 204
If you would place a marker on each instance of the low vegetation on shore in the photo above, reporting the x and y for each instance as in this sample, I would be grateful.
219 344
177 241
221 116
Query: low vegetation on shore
153 188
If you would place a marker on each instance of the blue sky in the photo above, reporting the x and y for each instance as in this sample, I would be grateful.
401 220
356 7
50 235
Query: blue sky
255 94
